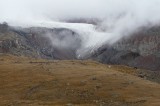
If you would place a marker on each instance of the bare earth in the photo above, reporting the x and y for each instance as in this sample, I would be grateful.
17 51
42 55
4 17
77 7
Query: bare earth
34 82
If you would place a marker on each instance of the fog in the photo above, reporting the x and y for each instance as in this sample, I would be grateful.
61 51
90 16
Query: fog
30 10
119 18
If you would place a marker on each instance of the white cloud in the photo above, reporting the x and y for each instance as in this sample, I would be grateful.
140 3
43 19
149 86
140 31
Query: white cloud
120 17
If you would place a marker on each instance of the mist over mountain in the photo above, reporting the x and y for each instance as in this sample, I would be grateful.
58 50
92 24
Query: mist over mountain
117 18
79 52
82 29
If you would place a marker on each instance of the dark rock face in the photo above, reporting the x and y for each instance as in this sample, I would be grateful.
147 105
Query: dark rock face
54 43
142 50
145 44
150 62
40 42
4 27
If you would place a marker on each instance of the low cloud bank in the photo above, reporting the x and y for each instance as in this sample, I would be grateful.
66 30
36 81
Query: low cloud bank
119 18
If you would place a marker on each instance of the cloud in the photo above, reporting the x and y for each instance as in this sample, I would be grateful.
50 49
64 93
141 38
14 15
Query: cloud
119 11
119 18
141 11
49 9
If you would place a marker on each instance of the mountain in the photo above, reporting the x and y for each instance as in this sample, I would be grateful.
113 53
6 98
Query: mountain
141 50
32 73
33 42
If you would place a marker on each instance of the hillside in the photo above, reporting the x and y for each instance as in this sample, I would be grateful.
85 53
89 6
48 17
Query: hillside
141 50
38 42
36 82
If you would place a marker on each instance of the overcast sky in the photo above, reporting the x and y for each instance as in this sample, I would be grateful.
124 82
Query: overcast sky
51 9
17 10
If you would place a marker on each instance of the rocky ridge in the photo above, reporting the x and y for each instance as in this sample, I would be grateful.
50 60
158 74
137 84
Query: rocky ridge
34 43
142 50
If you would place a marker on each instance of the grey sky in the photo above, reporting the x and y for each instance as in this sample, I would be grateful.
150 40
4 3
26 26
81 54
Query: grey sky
17 10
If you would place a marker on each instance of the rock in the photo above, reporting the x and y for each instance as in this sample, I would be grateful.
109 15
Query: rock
94 78
98 86
68 84
109 66
141 75
4 27
69 104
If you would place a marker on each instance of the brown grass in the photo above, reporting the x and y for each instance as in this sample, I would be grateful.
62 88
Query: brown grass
31 82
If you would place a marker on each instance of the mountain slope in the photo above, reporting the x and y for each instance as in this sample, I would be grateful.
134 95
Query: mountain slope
66 41
40 42
25 82
141 50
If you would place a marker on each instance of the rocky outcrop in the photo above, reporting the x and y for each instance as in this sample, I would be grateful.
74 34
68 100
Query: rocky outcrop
141 50
4 27
58 43
145 43
16 45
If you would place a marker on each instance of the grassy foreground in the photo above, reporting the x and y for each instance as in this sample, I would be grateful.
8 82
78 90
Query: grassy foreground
33 82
